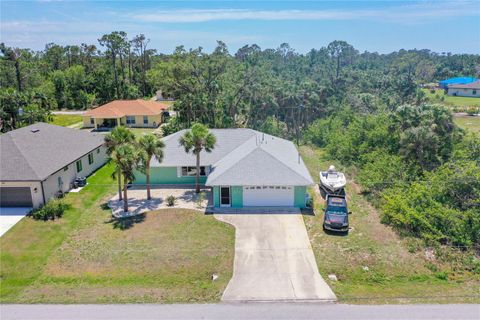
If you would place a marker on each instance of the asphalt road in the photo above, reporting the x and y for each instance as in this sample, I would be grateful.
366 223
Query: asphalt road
69 112
248 311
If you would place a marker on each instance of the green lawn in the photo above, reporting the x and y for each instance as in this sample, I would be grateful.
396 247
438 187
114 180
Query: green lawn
461 103
469 123
86 257
66 120
141 131
398 273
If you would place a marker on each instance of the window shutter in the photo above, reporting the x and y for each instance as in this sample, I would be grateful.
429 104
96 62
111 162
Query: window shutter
179 172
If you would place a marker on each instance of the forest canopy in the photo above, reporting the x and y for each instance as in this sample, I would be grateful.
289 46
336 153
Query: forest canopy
252 87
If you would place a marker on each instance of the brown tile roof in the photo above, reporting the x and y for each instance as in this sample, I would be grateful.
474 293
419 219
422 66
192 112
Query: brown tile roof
473 85
120 108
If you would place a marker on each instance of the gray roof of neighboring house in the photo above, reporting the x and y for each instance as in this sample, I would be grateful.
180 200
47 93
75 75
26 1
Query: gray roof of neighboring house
243 157
35 152
473 85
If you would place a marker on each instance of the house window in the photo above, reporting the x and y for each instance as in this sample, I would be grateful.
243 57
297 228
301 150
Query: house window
92 121
98 150
79 165
192 171
474 92
145 119
65 168
130 120
90 158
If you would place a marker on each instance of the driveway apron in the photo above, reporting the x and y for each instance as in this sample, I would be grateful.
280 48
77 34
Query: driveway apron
274 260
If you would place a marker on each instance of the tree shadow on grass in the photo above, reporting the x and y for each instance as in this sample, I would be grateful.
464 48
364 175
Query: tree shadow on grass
126 223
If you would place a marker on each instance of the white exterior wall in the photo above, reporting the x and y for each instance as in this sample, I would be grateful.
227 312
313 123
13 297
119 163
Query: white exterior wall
464 92
35 190
51 186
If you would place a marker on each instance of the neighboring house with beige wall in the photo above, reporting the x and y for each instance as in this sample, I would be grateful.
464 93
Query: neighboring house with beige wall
465 90
41 161
131 113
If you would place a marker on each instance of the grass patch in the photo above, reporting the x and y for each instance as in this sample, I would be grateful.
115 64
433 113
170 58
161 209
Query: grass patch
138 132
458 103
397 273
86 257
66 120
469 123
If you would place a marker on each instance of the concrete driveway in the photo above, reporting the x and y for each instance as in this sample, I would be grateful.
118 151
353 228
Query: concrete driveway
274 260
10 216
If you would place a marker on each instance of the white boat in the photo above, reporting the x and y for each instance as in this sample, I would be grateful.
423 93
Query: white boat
332 180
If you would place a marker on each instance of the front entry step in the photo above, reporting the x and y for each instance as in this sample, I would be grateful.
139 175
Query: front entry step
253 210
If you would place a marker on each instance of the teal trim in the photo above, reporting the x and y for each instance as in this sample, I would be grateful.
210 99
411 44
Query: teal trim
216 196
299 197
165 175
237 196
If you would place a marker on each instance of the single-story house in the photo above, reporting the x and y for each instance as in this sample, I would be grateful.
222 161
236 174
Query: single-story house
457 80
130 113
246 168
465 90
41 161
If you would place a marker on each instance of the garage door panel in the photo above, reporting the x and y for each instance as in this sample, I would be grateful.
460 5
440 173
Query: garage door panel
15 197
269 196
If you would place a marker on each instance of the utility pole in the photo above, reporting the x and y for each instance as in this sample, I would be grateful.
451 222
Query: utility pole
297 123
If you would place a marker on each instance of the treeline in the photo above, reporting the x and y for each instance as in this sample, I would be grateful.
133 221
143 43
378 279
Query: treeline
422 170
270 89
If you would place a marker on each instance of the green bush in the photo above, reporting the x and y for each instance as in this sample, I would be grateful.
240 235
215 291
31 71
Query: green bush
200 199
381 171
50 211
442 207
171 201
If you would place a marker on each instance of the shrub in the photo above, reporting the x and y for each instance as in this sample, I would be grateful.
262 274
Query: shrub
51 210
171 201
200 199
381 170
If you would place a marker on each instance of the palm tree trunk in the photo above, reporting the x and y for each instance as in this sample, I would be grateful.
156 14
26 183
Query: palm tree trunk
119 177
197 175
147 173
125 198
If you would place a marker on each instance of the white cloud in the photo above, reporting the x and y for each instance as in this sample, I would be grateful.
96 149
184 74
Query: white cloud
35 34
407 13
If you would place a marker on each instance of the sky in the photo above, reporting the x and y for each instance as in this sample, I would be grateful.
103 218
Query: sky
375 26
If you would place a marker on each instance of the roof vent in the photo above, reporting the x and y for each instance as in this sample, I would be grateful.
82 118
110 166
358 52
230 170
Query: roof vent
35 130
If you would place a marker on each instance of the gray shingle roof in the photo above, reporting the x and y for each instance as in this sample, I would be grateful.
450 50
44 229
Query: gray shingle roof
227 141
35 152
243 157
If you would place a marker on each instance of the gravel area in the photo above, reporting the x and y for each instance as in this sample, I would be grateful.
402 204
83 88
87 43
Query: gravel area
186 198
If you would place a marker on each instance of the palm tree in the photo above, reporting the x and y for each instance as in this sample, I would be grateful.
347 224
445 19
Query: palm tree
197 139
119 136
125 159
150 146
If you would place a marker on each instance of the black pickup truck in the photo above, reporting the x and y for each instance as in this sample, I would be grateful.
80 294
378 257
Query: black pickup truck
336 214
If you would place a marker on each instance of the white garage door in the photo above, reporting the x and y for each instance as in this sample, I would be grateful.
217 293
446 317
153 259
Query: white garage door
268 196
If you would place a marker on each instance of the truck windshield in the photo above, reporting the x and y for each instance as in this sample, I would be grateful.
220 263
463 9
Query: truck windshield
337 210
